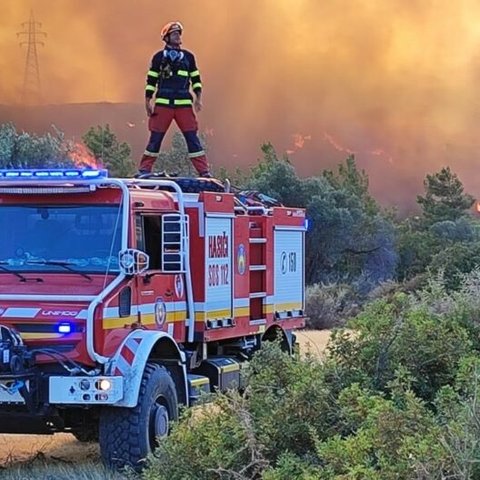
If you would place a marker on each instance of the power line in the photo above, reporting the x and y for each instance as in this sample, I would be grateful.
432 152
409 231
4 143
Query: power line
30 36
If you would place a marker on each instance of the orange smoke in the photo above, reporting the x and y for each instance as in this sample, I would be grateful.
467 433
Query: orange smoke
394 81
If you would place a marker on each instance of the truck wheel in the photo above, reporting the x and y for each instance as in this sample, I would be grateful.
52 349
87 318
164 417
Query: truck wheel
89 433
128 435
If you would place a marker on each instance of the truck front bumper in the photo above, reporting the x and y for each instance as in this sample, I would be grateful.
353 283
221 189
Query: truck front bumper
60 390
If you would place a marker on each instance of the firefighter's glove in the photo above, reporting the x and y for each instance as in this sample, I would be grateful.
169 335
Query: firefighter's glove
148 107
198 105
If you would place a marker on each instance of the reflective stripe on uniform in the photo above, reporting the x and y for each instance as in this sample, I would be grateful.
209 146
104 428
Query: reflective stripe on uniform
197 85
166 101
183 73
196 154
151 154
182 102
152 73
194 73
150 88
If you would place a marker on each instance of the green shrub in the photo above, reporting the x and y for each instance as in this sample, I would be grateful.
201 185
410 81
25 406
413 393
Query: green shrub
383 439
461 305
285 397
393 335
396 398
216 441
455 261
291 467
329 306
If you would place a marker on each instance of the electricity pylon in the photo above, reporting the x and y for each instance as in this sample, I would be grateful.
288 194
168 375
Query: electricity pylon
30 36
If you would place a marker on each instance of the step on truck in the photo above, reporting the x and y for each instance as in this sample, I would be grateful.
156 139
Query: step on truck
122 299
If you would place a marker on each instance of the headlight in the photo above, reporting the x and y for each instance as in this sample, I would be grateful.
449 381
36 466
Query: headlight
104 385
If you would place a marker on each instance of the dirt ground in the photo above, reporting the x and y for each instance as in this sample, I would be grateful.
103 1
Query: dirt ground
313 341
64 447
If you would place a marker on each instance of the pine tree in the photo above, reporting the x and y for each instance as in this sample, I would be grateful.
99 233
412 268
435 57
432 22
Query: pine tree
444 197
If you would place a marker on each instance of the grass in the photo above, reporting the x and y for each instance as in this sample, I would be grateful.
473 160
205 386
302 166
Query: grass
45 469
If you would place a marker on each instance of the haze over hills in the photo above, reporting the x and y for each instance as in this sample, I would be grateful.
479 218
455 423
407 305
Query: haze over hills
395 176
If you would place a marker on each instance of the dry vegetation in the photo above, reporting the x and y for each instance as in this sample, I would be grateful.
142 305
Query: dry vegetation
61 447
22 455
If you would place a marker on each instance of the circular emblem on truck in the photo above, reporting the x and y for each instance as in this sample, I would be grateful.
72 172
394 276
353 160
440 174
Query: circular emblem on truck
241 259
160 312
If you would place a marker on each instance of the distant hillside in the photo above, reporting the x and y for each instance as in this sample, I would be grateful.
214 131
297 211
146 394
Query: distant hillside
129 122
126 119
396 174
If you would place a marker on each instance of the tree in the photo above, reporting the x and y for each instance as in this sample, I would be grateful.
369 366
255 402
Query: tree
354 181
109 152
28 150
444 197
349 239
176 160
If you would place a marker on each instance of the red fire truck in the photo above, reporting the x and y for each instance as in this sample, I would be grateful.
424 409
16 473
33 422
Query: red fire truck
121 299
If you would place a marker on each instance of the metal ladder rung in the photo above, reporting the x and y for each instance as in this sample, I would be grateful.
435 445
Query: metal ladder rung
257 268
258 240
258 295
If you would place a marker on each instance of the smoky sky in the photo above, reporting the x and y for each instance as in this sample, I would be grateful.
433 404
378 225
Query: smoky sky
394 82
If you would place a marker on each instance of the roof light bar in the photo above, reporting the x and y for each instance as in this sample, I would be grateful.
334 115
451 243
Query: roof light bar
53 174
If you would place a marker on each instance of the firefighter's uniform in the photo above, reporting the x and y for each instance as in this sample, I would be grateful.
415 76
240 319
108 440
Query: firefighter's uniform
172 72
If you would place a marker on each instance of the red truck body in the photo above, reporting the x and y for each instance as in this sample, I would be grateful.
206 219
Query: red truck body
100 278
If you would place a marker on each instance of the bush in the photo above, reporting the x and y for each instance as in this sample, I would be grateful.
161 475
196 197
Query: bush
455 261
393 335
384 436
243 436
291 467
329 306
396 398
285 396
214 442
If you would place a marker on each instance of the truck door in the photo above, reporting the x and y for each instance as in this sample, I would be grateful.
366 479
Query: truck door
289 290
156 289
218 271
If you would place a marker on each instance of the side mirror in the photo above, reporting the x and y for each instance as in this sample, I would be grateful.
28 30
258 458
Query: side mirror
133 262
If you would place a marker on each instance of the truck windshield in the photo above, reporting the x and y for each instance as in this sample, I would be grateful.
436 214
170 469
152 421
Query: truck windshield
86 237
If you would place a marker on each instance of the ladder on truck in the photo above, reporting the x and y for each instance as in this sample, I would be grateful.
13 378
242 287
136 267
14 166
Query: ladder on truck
261 257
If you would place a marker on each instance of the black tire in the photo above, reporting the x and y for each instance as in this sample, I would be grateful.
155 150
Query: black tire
87 434
128 435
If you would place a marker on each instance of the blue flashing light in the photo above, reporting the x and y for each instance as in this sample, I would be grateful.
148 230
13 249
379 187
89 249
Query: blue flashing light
53 174
92 173
64 327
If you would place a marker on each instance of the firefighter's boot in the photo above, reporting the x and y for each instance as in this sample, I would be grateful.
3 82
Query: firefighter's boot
146 164
199 161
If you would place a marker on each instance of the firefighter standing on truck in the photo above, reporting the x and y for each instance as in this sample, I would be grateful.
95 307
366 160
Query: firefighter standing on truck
172 72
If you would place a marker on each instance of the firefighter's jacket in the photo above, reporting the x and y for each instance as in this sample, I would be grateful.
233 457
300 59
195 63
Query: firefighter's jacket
172 72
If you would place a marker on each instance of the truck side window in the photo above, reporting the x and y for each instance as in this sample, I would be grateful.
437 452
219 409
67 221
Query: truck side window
149 238
139 233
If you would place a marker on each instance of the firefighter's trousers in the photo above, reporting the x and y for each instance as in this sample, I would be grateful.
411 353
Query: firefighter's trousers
158 124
